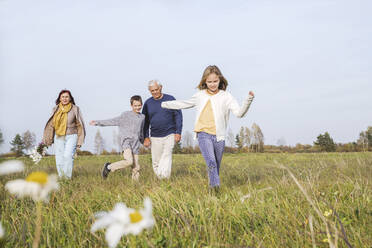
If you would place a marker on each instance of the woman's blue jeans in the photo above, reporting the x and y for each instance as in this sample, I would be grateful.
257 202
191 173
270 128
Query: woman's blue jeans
65 147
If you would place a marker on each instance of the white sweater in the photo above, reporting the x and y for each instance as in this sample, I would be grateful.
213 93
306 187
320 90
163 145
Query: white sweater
222 103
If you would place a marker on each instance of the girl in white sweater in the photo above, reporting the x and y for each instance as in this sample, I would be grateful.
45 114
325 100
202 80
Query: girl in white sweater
213 105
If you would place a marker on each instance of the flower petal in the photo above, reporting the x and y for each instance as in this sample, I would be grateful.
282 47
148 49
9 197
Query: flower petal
113 234
11 166
102 222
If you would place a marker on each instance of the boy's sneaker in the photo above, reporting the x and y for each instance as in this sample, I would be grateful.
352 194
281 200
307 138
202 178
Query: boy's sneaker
105 170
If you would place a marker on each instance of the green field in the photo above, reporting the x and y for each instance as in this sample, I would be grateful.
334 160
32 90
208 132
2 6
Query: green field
274 213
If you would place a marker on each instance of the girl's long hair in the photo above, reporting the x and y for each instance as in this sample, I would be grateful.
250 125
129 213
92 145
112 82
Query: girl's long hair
208 71
65 91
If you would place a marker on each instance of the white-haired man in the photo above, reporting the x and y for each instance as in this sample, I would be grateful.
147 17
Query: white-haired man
162 129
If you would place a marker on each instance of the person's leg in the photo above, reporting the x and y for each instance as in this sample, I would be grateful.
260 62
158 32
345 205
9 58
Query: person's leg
59 148
68 155
207 149
135 168
165 163
127 161
156 152
219 147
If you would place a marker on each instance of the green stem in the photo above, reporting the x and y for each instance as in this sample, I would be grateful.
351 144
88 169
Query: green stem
36 241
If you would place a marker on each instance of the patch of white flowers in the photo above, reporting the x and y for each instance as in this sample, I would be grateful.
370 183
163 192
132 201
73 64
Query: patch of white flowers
38 153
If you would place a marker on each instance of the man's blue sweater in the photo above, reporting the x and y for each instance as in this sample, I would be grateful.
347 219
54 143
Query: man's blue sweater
160 121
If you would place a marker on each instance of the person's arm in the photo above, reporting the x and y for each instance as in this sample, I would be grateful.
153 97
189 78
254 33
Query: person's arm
236 109
180 104
109 122
179 119
141 136
81 128
146 124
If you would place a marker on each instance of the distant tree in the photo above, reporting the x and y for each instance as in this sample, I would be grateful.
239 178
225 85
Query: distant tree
187 139
230 138
1 138
242 136
365 138
17 145
325 142
257 138
247 137
238 142
98 143
29 139
369 136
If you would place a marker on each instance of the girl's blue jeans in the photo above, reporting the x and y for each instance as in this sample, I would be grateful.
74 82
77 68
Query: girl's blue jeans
212 151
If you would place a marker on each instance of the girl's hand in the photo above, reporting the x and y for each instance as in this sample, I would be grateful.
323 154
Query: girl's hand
93 123
251 93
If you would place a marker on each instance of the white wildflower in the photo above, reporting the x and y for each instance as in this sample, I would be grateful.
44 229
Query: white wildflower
37 185
123 221
11 166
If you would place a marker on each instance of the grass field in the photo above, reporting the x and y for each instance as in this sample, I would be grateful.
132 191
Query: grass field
274 212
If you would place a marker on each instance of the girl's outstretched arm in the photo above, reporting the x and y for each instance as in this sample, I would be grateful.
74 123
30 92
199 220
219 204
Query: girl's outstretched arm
180 104
236 109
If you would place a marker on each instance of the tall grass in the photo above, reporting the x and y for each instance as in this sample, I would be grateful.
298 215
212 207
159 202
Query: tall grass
260 205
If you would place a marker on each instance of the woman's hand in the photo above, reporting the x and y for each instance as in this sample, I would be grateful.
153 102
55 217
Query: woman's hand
93 123
251 93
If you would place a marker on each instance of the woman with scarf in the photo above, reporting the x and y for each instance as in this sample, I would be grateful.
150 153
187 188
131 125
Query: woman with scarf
65 128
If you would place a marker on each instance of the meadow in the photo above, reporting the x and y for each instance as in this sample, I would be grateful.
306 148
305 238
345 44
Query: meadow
259 205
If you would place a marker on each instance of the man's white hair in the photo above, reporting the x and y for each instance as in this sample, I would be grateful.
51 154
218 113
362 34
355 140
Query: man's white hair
153 82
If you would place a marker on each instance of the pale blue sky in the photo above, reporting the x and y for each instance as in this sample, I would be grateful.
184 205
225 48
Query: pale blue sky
306 61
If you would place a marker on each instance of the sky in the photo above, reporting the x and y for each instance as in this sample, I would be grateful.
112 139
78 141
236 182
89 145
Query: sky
306 61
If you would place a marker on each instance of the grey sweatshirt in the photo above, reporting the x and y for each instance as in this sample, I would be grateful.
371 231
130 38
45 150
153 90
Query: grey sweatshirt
130 129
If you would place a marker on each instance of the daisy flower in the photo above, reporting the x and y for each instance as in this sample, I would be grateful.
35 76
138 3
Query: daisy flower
37 185
123 221
11 166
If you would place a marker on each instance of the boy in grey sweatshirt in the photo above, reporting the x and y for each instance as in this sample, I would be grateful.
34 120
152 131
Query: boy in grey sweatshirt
130 125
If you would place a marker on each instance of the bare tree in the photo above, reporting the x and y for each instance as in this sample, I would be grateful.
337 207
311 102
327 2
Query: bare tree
363 140
187 139
98 143
258 138
247 137
29 140
230 138
241 137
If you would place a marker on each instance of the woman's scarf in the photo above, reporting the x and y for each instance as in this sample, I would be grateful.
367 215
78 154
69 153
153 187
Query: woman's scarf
60 119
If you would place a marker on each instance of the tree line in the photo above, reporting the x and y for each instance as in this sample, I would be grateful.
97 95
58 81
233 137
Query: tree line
245 141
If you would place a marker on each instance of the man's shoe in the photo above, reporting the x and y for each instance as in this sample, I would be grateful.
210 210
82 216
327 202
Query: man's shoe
105 170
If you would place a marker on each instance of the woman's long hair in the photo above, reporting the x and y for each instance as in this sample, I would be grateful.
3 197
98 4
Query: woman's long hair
208 71
65 91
